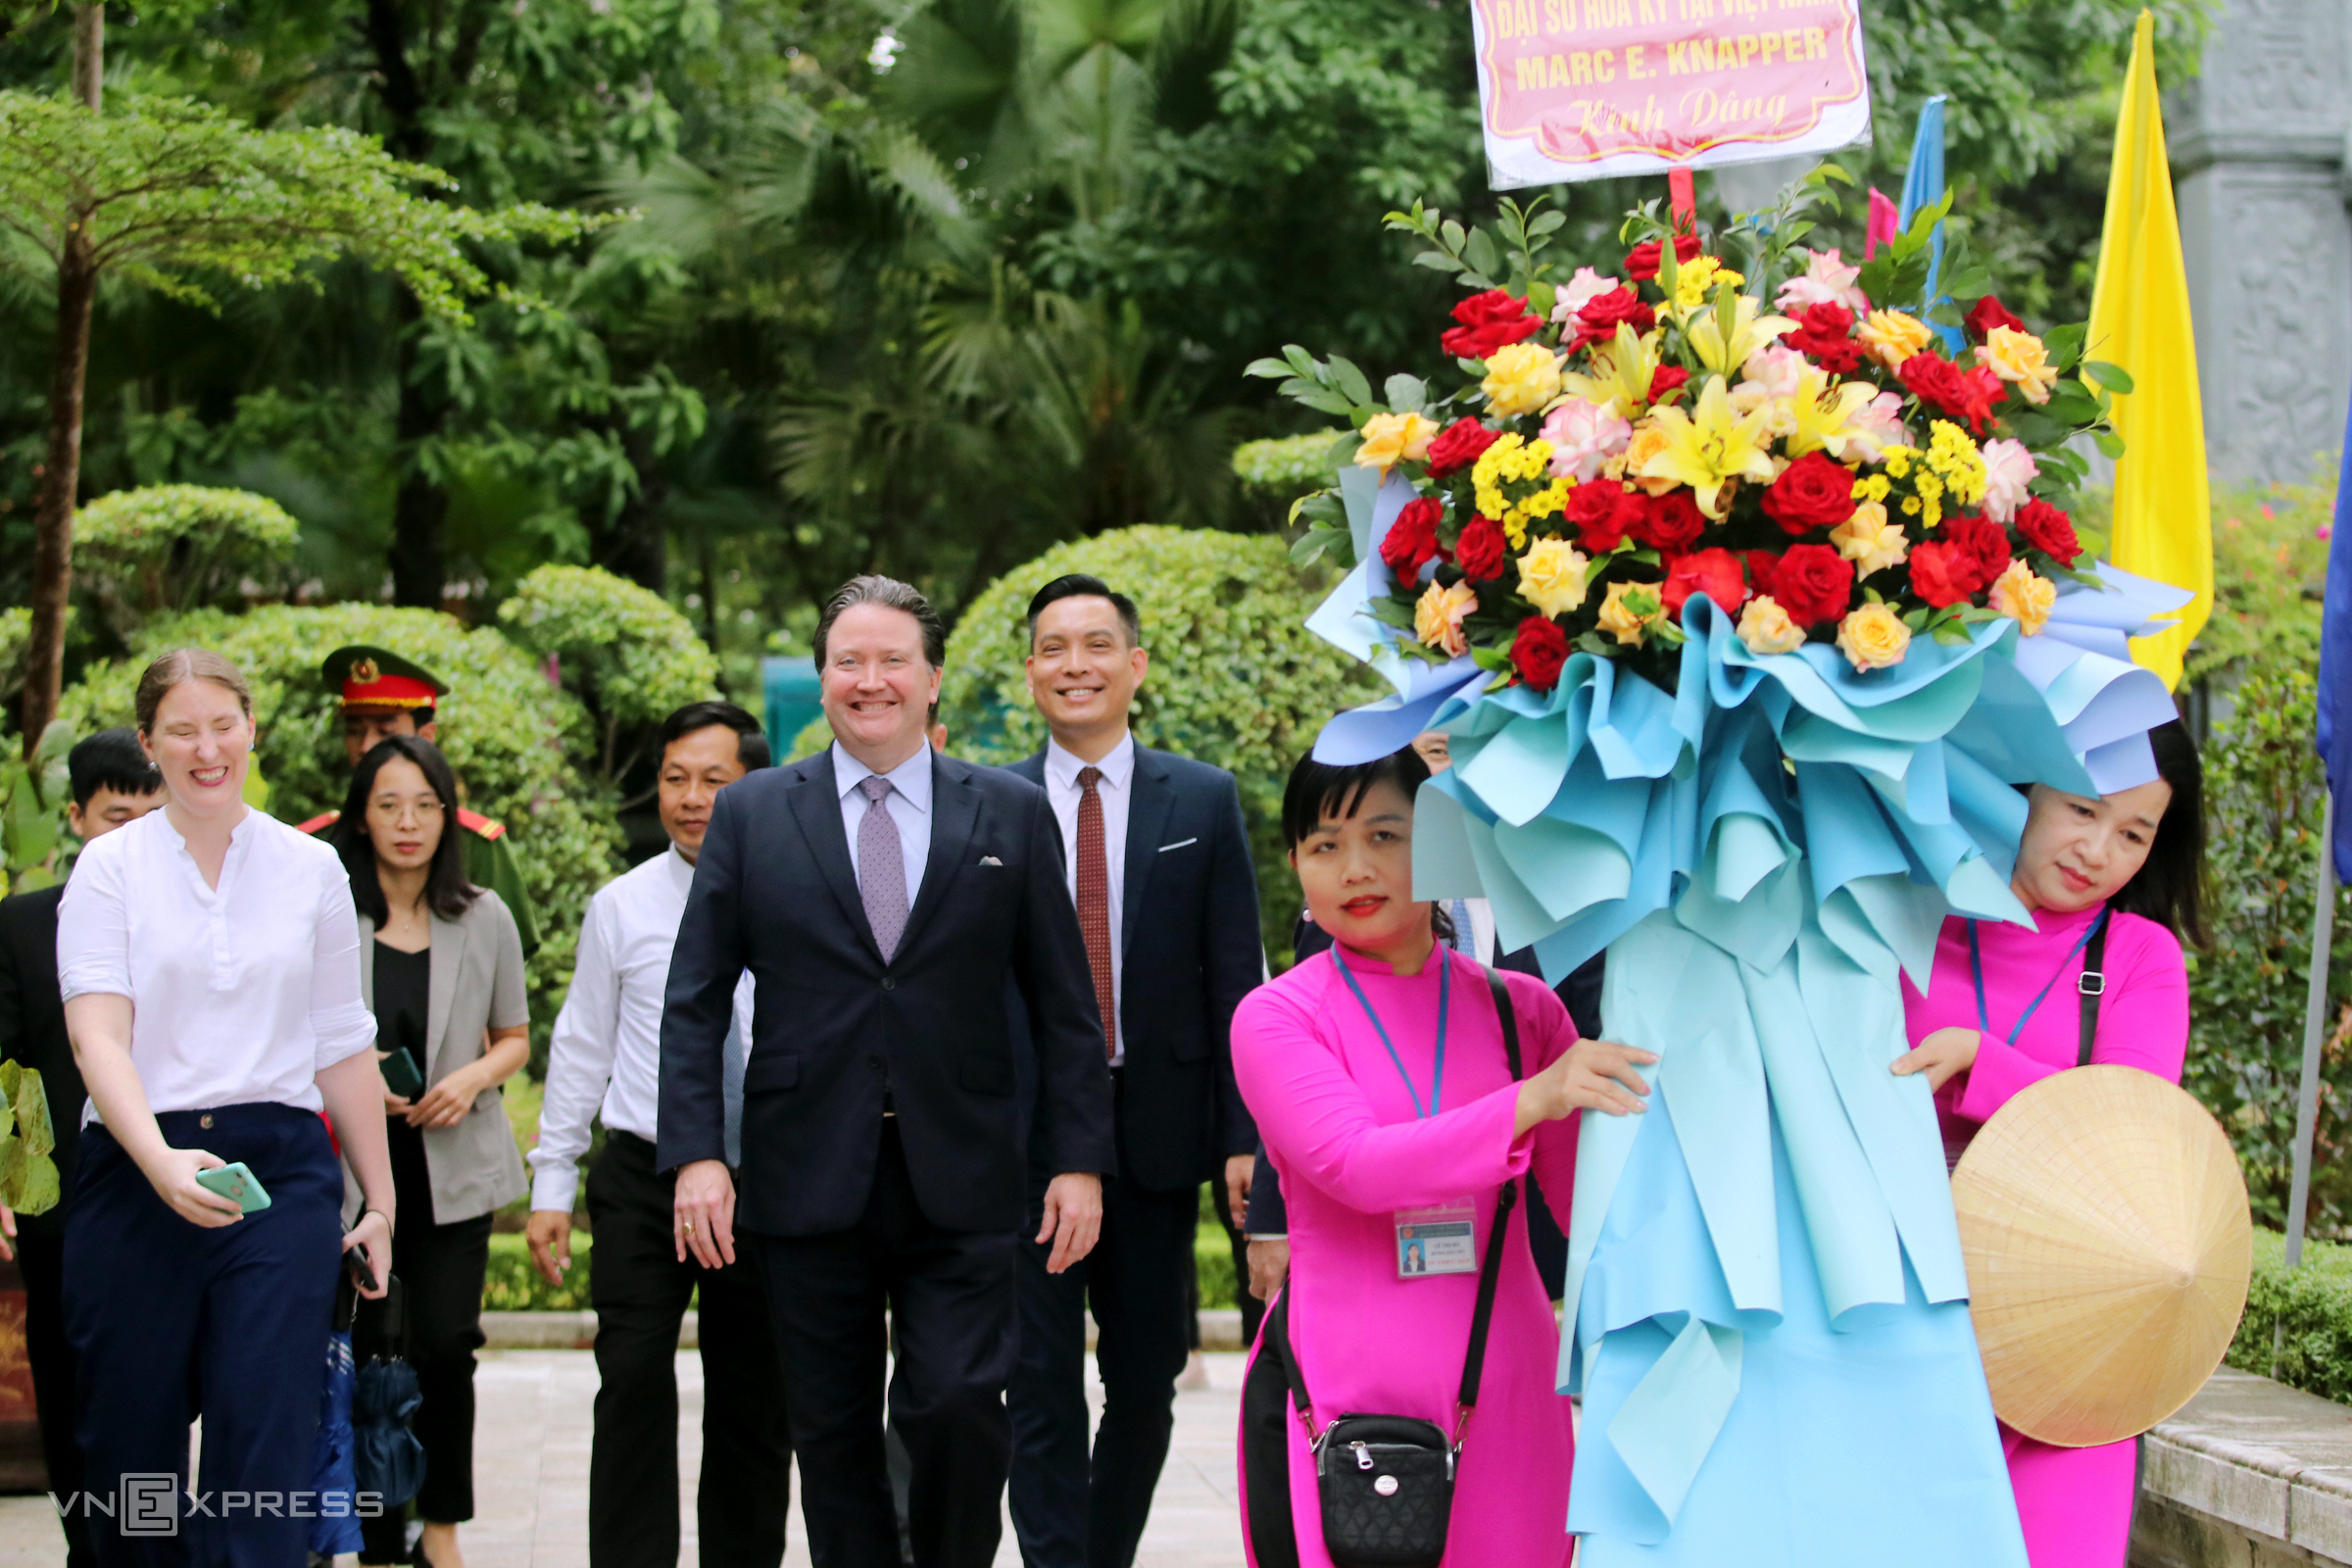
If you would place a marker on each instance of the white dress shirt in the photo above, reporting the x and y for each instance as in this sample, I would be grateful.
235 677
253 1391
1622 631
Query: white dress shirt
606 1052
908 803
239 994
1116 791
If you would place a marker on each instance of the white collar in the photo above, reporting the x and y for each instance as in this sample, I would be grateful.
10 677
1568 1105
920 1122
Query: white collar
911 779
681 869
1118 764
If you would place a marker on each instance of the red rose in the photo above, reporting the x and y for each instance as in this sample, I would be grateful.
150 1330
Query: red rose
1641 262
1481 549
1666 381
2049 530
1942 385
1597 321
1816 491
1942 574
1813 583
1759 565
1988 314
1826 334
1986 542
1604 512
1713 572
1457 447
1670 522
1411 540
1489 321
1540 649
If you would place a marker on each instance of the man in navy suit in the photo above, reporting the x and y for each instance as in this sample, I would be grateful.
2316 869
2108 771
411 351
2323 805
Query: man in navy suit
883 897
1167 919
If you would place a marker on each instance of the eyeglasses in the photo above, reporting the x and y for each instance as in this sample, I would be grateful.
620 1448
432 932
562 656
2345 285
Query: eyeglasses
424 811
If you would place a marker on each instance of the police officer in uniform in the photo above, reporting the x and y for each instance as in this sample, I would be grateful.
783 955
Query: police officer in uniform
384 695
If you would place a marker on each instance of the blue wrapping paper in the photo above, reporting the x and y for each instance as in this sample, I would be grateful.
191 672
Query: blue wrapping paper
1765 1288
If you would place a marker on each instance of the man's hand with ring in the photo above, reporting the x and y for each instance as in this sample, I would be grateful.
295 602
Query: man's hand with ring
705 1209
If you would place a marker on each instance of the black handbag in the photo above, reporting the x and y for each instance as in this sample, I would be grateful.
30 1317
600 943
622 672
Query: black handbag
387 1460
1387 1481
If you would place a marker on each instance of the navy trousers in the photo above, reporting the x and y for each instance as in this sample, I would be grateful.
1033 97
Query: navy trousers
169 1321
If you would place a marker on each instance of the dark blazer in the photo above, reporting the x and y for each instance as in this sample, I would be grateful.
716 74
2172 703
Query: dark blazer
834 1027
1190 951
32 1030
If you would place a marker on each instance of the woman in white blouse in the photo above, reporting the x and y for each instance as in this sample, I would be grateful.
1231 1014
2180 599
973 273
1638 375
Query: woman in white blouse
209 959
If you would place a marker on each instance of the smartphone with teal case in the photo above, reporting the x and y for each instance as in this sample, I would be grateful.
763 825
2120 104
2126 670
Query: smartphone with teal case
238 1182
401 1076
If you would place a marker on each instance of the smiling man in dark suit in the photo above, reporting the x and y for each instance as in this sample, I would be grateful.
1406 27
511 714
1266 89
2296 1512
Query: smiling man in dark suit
1167 912
883 896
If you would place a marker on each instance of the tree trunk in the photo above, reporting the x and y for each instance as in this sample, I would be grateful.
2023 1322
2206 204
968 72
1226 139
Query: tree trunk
61 480
89 52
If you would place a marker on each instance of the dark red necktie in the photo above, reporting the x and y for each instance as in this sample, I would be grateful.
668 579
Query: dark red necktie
1094 900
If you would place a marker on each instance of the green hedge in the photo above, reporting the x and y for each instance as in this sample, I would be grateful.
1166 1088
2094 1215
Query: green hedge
2306 1315
514 1286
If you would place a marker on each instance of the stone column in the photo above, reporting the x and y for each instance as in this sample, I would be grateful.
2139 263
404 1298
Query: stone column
2258 147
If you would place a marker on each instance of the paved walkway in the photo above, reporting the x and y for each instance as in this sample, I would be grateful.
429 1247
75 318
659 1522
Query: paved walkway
531 1473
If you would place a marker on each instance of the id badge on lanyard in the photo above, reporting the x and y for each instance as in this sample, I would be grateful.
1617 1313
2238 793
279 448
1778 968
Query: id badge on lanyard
1441 1238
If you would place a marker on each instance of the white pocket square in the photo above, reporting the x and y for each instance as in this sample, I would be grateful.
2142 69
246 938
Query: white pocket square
1178 845
990 859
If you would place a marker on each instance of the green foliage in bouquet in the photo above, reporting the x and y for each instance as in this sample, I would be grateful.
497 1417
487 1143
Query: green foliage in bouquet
1736 415
28 1180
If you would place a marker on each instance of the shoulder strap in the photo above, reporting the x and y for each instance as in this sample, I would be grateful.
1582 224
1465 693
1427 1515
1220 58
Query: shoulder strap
1276 1337
1490 1270
2093 986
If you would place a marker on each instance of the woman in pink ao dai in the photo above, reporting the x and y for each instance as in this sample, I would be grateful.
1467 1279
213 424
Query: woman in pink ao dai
1372 1108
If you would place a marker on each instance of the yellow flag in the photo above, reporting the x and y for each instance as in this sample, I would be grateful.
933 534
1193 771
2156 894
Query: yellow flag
2139 320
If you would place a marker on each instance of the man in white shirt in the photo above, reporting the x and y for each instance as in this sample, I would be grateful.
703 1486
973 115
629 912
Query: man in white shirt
606 1052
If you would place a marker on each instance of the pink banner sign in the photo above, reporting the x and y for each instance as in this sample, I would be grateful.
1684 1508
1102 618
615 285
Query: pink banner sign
1589 89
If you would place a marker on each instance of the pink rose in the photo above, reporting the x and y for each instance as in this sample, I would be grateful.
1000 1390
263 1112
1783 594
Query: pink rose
1583 436
1875 427
1585 285
1826 280
2008 468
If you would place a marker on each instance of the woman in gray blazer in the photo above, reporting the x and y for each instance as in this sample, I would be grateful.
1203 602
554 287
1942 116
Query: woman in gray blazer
441 968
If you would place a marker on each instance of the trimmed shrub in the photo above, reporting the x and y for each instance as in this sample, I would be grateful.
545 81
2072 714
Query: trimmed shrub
1235 679
170 547
512 1285
506 729
620 649
2298 1326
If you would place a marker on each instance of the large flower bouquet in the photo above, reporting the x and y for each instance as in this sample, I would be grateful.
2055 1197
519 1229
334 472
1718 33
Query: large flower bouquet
1746 419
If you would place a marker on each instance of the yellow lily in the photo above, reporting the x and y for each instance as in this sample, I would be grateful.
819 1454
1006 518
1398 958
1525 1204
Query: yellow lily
1622 372
1724 351
1824 414
1710 447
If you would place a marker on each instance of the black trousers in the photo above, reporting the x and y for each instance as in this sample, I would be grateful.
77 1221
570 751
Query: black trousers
440 1269
1068 1512
169 1320
41 1259
951 1301
640 1290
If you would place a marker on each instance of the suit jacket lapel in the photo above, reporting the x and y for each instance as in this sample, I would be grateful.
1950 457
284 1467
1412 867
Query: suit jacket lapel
441 994
1147 823
955 814
817 806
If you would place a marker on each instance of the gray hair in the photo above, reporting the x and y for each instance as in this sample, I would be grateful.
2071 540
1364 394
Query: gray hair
890 594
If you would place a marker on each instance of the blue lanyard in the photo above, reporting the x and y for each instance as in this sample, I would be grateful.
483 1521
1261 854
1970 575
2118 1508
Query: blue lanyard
1975 964
1437 1077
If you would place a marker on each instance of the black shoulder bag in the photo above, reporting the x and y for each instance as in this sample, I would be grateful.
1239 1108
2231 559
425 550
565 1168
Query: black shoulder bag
1387 1481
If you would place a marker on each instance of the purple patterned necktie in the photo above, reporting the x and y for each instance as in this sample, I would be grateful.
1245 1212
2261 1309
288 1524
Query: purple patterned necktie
881 867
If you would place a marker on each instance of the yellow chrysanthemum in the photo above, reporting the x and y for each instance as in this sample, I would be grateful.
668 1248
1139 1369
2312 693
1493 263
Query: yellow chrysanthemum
1390 438
1958 461
1438 617
1697 279
1553 576
1873 637
1708 448
2019 358
2024 597
1521 377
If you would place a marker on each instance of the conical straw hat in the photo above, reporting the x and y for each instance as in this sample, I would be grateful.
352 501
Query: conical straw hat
2105 1221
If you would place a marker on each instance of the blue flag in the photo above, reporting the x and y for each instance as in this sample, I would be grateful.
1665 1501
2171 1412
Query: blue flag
2336 663
1923 187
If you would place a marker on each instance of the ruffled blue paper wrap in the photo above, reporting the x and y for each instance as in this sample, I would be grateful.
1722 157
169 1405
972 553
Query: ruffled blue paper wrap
1769 1308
